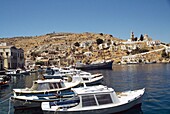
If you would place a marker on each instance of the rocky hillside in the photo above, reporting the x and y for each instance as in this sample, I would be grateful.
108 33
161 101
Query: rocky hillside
31 43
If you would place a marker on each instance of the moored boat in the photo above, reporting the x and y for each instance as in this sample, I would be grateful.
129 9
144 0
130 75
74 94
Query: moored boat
59 72
4 79
17 72
96 65
90 79
25 102
4 82
97 100
48 87
87 78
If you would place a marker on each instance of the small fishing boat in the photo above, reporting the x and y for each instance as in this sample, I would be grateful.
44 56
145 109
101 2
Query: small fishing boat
48 86
25 102
97 100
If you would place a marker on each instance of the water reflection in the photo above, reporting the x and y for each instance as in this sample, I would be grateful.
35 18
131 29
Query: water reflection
134 110
29 111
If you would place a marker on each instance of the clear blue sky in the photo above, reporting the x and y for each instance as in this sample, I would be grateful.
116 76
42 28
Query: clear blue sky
116 17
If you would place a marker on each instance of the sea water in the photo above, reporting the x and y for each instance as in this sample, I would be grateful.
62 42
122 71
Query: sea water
154 77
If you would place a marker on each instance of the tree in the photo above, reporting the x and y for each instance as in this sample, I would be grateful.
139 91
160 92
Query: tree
140 61
164 54
76 44
35 54
99 41
136 51
135 39
39 63
101 34
141 38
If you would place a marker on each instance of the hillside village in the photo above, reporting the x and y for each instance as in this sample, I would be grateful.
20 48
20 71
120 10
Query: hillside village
64 49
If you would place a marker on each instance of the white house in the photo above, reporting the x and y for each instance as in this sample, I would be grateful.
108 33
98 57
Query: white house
88 54
168 50
151 43
13 57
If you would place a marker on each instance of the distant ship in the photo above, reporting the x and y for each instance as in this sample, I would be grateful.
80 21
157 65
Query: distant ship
95 65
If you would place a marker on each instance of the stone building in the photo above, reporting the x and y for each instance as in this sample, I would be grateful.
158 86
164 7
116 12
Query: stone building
13 57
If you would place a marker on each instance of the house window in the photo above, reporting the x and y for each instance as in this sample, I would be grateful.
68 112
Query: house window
7 53
104 99
88 101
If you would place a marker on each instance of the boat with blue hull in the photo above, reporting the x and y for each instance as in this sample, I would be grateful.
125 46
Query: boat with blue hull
32 101
48 87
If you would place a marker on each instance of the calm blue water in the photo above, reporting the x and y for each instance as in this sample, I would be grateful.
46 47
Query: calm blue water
154 77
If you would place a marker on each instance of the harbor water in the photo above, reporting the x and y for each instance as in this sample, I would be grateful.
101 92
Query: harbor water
154 77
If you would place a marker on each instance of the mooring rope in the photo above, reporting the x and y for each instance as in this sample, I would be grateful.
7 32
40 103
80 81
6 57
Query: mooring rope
5 97
9 108
9 94
4 100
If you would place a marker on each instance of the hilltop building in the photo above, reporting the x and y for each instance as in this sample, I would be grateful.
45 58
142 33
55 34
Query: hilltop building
132 36
12 57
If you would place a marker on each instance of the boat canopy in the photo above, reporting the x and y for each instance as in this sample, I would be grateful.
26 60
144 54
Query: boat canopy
92 90
47 85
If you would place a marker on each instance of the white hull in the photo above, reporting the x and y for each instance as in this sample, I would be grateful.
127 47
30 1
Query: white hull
94 81
108 110
122 102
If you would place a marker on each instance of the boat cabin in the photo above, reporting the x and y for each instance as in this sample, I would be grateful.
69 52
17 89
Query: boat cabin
47 84
95 96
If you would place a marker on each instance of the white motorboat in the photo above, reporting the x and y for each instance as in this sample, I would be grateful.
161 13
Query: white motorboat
58 73
90 79
97 100
48 86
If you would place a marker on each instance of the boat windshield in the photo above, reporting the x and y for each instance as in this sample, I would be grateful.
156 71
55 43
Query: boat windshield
88 100
47 86
104 99
40 86
94 100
